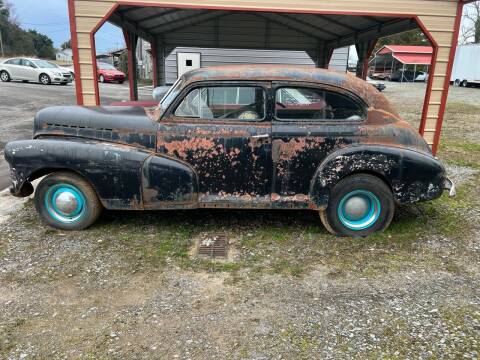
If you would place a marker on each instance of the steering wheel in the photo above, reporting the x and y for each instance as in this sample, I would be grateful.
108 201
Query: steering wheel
250 108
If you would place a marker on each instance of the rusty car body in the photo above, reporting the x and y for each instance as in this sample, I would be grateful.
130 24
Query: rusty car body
205 147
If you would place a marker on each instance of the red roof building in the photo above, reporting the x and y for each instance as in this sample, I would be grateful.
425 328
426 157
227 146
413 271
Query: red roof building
390 58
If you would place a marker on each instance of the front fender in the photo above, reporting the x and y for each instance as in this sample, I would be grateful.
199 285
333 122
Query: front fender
411 175
123 176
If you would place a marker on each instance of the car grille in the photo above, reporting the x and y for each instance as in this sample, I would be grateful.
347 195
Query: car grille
118 77
67 75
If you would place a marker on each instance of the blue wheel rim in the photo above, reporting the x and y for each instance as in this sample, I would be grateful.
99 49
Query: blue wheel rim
78 203
359 210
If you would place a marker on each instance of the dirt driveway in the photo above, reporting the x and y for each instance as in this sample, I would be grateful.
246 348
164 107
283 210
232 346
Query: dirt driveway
130 288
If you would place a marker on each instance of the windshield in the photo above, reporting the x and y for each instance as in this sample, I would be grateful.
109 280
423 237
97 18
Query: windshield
54 65
172 93
42 64
105 66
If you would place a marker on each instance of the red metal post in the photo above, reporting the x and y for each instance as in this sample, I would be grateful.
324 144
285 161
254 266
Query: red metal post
446 83
130 41
153 50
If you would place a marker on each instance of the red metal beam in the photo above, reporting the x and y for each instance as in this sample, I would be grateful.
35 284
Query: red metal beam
367 57
446 83
131 64
153 50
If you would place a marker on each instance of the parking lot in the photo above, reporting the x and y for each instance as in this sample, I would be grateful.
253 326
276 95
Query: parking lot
20 101
131 286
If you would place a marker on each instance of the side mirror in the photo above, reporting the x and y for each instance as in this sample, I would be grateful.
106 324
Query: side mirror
159 92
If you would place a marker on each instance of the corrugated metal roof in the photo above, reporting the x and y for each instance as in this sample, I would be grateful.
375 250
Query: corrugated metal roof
413 49
413 59
254 30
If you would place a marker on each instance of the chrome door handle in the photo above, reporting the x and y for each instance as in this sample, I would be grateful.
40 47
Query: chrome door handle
261 136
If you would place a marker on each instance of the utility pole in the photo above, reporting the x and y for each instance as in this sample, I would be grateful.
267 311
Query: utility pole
1 44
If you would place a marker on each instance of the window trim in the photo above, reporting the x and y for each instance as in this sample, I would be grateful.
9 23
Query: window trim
323 87
228 83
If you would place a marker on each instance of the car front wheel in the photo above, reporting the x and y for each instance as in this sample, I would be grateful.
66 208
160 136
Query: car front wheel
101 78
45 79
66 201
5 76
359 206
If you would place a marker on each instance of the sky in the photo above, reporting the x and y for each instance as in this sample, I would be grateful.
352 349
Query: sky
50 17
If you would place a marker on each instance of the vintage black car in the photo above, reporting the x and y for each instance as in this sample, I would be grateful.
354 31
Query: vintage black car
232 137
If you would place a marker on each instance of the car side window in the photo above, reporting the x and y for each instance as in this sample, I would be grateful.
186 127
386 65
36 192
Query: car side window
297 103
224 102
13 62
28 63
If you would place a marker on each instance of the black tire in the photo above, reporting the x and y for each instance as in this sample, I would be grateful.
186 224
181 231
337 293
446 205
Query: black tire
44 79
456 82
101 78
371 190
121 82
5 76
64 83
464 83
55 185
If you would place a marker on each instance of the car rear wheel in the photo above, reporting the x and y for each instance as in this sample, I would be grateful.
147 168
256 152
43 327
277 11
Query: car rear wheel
66 201
45 79
5 76
359 206
101 78
464 83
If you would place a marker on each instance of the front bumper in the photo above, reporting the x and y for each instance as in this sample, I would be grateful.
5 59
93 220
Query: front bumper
450 186
62 79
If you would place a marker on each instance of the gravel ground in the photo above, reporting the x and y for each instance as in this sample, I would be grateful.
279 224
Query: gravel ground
130 288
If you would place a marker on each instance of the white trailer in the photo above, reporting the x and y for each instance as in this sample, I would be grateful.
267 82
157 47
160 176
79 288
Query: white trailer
466 67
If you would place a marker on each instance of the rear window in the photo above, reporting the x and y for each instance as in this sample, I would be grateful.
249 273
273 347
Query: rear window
13 62
296 103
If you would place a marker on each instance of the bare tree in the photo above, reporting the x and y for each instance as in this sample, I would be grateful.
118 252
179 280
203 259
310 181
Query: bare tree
470 31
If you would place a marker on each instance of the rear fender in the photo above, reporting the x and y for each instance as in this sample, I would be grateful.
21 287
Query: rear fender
411 175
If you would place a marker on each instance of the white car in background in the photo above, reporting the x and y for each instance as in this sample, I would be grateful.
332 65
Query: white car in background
65 68
36 70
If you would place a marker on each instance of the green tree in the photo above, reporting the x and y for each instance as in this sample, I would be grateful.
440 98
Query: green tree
4 11
43 45
471 24
66 45
412 37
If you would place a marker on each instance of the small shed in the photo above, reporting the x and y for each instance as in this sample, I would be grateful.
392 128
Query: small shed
390 58
314 26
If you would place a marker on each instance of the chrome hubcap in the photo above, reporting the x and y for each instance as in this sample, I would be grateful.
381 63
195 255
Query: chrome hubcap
66 202
359 209
356 207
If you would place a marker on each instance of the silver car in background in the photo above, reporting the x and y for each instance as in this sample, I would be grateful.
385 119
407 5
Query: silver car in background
36 70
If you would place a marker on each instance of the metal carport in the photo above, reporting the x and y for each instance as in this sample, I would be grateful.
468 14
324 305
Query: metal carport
315 26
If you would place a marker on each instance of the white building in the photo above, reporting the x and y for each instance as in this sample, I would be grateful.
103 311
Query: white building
65 55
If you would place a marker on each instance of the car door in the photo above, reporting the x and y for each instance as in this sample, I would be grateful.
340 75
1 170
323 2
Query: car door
13 66
222 130
29 70
309 122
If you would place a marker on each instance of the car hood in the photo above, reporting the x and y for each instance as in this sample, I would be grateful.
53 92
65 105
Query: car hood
112 72
127 125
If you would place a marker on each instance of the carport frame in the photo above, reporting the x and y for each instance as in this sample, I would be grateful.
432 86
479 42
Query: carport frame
416 18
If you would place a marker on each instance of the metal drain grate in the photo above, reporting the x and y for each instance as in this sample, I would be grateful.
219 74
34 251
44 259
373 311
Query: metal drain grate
214 246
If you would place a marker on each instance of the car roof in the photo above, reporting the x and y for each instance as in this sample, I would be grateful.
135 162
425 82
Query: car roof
291 73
